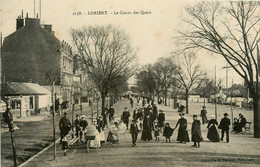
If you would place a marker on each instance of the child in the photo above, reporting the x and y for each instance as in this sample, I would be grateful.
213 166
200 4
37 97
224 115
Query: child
167 132
156 130
111 138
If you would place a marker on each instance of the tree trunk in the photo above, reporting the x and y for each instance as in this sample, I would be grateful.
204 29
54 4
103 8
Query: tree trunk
165 97
187 101
256 116
103 99
158 98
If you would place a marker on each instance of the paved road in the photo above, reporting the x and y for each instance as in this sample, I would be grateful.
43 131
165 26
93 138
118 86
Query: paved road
243 150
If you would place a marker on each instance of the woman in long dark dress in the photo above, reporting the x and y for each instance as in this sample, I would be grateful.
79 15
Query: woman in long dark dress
196 132
147 128
183 135
212 130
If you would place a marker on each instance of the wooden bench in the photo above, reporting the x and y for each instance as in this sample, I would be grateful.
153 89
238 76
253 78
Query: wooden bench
247 127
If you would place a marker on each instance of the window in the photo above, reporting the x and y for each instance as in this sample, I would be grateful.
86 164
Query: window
31 102
13 105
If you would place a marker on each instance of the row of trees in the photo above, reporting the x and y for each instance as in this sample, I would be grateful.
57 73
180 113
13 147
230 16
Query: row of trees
171 75
230 30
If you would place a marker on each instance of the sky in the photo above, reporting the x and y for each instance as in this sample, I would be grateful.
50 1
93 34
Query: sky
151 34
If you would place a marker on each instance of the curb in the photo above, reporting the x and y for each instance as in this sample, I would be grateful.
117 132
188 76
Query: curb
34 156
45 149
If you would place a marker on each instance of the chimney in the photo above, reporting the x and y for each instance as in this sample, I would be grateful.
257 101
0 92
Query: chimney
19 22
48 28
32 22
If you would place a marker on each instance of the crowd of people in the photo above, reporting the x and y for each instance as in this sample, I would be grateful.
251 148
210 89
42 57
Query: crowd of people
149 121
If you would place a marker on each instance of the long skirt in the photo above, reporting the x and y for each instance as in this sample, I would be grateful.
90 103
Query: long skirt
196 137
146 135
213 134
183 135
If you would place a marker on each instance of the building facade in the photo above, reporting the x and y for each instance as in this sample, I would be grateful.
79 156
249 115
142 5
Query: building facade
33 54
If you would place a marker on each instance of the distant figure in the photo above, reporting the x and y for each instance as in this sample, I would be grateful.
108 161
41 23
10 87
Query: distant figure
167 132
212 130
134 131
111 112
161 119
235 125
203 115
156 130
90 102
160 101
242 123
138 101
196 132
125 117
181 108
183 135
77 126
64 126
224 126
100 128
83 126
155 111
57 105
131 102
8 118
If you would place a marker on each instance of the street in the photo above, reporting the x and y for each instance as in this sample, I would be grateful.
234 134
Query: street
242 150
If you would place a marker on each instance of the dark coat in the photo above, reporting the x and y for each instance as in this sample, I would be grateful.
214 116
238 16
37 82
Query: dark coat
77 124
196 131
155 111
64 126
183 135
125 116
224 123
167 132
161 119
134 128
111 112
83 124
212 131
147 129
100 125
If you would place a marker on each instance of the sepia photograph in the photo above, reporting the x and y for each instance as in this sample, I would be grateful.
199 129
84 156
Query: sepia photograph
134 83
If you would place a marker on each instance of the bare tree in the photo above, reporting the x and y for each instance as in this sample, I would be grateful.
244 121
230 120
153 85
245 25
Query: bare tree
231 30
188 73
145 80
164 69
106 55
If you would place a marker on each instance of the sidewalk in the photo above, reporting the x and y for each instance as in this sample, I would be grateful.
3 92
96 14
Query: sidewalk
243 150
34 134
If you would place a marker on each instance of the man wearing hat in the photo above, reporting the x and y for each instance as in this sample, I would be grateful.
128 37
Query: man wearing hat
64 126
203 115
224 126
134 131
125 117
